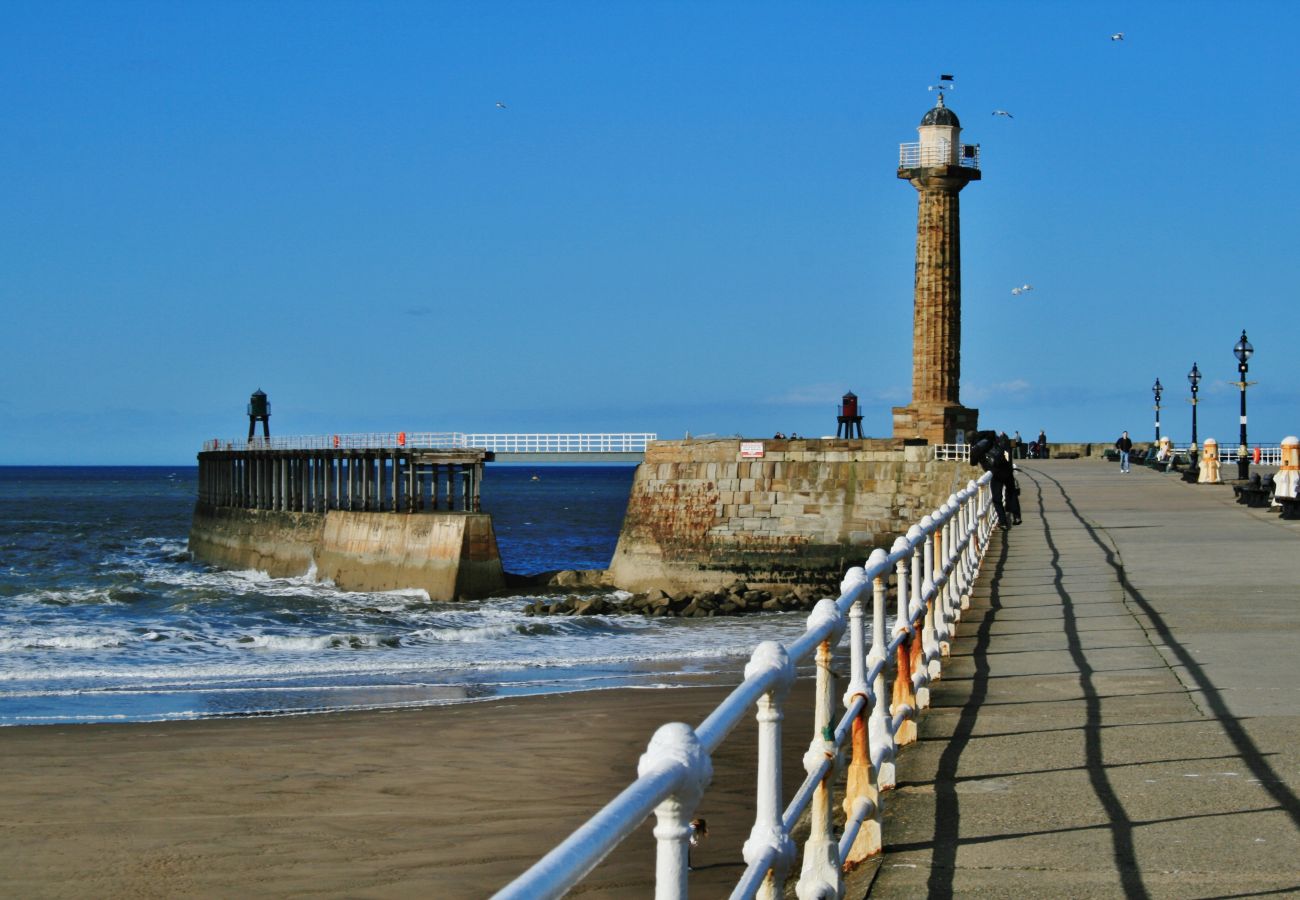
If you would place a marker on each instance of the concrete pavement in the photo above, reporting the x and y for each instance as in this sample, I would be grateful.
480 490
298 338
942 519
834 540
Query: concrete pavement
1121 716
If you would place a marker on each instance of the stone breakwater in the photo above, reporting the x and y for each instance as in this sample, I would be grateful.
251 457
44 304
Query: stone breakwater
734 600
775 513
449 555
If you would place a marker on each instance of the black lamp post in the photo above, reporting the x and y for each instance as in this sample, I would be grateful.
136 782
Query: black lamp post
1194 379
1156 389
1243 351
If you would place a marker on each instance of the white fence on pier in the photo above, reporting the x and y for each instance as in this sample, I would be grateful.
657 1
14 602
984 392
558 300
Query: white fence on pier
935 567
1268 455
634 442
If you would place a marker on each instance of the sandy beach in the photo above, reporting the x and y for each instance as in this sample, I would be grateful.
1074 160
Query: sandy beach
444 802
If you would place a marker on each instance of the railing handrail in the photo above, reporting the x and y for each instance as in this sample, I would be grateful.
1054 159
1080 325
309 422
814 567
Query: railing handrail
936 564
1269 454
560 442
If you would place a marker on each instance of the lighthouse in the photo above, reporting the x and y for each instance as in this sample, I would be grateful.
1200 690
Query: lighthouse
938 165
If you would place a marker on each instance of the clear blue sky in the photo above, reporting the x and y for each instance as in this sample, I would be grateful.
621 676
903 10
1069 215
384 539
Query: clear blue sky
686 219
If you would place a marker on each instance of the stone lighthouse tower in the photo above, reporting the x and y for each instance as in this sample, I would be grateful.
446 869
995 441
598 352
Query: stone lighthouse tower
938 166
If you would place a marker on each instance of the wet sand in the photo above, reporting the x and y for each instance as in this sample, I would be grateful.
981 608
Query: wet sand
443 802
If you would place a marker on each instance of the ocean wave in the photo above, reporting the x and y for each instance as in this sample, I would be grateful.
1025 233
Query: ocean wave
315 642
61 642
66 597
467 635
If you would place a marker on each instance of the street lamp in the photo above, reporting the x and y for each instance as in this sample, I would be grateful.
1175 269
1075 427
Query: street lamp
1243 352
1156 389
1194 379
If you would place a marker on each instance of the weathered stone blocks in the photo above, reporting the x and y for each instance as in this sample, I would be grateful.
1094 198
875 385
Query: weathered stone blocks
815 513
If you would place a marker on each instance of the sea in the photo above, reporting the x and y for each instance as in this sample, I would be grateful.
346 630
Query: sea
105 616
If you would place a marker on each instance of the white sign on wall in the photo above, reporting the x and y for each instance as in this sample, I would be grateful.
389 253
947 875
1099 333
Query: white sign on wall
751 449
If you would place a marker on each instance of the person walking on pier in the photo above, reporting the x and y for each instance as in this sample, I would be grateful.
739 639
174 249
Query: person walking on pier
1125 446
1042 444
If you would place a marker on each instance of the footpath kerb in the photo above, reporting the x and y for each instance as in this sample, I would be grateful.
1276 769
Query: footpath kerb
1121 716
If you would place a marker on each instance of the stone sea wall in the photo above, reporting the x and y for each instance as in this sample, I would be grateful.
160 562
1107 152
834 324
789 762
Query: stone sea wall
702 515
451 555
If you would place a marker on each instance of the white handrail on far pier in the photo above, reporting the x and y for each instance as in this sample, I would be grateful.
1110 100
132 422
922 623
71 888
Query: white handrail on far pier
935 566
633 442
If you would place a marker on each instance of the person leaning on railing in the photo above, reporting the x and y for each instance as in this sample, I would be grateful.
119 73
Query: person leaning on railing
992 453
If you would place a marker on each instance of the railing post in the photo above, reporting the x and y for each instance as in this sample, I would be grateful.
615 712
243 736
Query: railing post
820 878
970 554
860 780
879 734
904 695
948 564
675 744
971 505
933 596
943 605
769 831
961 575
927 671
956 576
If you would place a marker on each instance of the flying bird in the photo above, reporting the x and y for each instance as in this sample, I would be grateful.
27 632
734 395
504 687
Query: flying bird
500 105
1003 112
1024 288
1117 36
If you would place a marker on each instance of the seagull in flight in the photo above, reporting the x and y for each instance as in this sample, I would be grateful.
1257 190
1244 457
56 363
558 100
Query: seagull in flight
500 105
1023 289
1003 112
1117 36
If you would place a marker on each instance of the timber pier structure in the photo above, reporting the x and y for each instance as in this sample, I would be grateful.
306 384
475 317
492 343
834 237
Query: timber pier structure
393 479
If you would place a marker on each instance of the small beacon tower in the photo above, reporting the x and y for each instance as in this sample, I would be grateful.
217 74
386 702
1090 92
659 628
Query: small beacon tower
849 419
259 409
938 166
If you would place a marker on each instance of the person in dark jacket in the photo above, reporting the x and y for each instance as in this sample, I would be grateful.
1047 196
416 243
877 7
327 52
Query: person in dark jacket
992 453
1125 446
1004 479
1042 445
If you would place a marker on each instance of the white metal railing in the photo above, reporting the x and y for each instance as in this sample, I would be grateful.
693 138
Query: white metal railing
562 443
935 566
1268 455
940 153
634 442
951 452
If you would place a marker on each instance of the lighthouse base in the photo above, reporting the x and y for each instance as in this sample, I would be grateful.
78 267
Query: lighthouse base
935 423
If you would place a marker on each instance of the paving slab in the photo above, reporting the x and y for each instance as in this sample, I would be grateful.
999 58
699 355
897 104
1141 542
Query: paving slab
1120 716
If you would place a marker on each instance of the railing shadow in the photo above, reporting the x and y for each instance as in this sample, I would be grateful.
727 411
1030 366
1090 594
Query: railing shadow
947 810
1249 753
1121 826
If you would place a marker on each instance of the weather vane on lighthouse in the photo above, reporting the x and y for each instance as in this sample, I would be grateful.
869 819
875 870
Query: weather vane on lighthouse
945 84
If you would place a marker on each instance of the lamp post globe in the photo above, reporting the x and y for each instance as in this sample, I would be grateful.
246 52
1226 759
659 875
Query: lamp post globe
1243 351
1194 379
1156 389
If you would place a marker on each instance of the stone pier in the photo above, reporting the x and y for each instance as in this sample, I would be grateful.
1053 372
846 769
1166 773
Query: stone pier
773 513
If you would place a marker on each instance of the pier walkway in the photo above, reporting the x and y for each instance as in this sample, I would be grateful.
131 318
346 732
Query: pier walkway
1121 715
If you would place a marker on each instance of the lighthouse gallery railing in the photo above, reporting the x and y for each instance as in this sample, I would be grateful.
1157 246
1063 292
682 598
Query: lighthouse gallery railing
935 567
